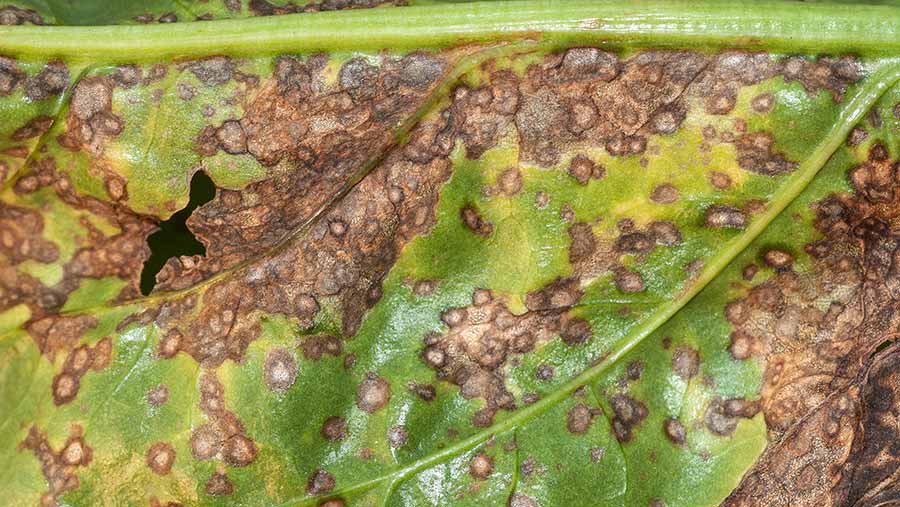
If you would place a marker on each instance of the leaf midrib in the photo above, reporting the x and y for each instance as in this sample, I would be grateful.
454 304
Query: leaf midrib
855 109
770 25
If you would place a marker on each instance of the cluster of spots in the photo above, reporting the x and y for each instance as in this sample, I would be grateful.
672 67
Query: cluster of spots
592 257
21 236
35 127
589 95
876 178
347 261
90 122
326 133
721 415
586 96
223 436
844 452
826 73
318 135
344 254
80 360
50 81
100 255
583 169
59 467
628 413
12 15
830 391
479 116
483 337
756 153
810 351
324 136
168 17
265 8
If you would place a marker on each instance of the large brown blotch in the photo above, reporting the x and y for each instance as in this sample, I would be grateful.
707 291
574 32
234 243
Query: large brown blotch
826 401
483 338
59 467
811 351
845 452
315 138
119 255
343 255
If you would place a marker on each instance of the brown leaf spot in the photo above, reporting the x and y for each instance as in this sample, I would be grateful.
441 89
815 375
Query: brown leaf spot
205 442
334 429
239 451
579 418
160 458
778 259
664 194
473 221
219 485
686 362
725 217
158 396
373 394
279 370
320 482
675 431
481 466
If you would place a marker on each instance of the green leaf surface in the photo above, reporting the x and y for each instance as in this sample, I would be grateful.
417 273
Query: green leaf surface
456 253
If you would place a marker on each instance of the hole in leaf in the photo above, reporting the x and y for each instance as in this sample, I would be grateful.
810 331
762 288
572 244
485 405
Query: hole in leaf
173 238
885 344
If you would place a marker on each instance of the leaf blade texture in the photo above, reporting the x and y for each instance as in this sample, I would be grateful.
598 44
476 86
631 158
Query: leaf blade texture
526 271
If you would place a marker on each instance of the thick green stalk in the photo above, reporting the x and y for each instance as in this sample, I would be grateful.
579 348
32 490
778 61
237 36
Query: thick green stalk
768 24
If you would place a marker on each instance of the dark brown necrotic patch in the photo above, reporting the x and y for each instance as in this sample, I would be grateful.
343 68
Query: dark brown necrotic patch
219 485
59 467
579 418
473 221
12 15
321 135
628 414
334 428
482 338
320 482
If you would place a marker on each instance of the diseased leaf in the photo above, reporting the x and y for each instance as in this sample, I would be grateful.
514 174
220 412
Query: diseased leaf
547 256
